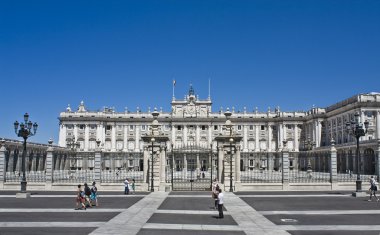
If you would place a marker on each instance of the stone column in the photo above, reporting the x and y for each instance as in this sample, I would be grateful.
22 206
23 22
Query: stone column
76 132
280 136
245 138
125 140
62 135
237 168
2 164
378 124
86 137
113 138
285 167
377 157
333 166
49 166
269 137
296 144
257 136
137 139
185 134
98 165
197 135
220 164
163 168
146 157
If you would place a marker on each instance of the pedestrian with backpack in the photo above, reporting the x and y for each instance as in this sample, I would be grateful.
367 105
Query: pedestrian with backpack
94 195
87 192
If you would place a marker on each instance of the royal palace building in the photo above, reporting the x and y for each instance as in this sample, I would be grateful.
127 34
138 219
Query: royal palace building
194 141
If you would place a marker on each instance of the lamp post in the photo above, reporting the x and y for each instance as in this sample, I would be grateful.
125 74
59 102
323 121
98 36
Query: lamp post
357 129
231 140
309 145
73 145
25 131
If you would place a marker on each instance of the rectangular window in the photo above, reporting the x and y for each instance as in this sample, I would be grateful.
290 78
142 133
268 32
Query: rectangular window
179 128
215 128
82 127
251 127
131 127
262 127
109 127
143 127
203 128
239 127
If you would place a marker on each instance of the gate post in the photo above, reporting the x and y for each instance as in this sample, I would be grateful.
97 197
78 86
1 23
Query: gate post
145 165
3 167
220 165
237 169
49 166
377 160
285 167
162 169
333 166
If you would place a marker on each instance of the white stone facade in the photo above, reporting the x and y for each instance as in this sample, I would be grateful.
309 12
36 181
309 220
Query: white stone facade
191 121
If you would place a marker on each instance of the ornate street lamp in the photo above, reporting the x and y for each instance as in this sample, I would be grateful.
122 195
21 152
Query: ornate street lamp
357 129
25 131
73 145
154 127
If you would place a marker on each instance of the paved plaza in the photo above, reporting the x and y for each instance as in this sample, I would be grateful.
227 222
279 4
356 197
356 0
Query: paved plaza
184 213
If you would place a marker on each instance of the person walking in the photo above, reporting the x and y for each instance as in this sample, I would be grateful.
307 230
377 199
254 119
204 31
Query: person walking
80 199
126 186
220 203
215 192
133 186
94 195
373 189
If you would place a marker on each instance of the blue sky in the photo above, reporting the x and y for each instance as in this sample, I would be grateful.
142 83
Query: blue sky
125 54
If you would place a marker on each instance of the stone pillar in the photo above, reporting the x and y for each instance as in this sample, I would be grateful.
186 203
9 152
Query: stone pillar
377 157
137 139
245 138
257 136
269 137
49 166
163 168
378 124
220 164
285 167
185 134
296 144
2 164
113 138
86 137
237 168
280 136
184 170
125 140
146 169
62 135
75 132
197 135
333 166
98 165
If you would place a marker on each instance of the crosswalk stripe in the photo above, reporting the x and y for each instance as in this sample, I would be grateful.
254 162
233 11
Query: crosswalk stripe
296 195
49 224
190 212
58 210
192 227
322 212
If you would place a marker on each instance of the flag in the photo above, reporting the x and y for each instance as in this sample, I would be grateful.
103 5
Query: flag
174 82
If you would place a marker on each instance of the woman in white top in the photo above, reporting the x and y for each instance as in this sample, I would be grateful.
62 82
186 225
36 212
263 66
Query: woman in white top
373 189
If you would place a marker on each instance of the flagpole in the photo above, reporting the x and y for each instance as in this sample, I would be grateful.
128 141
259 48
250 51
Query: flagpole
173 83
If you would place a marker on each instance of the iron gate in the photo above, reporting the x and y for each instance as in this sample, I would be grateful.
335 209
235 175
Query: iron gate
191 168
